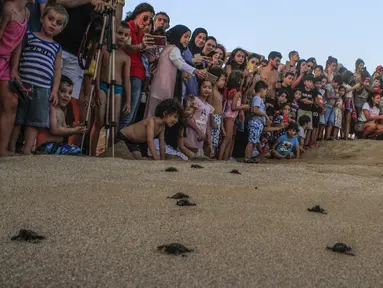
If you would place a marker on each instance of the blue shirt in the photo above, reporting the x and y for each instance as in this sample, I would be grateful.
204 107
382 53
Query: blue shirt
286 145
258 102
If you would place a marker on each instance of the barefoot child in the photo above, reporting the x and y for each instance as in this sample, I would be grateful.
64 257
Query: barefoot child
303 122
40 71
166 114
122 77
287 146
51 141
14 19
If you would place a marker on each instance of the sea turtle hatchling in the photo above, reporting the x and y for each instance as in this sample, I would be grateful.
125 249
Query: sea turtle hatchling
196 166
341 248
235 171
185 202
171 169
175 248
179 195
317 209
28 235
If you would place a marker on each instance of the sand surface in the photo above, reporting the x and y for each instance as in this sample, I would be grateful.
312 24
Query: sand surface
103 219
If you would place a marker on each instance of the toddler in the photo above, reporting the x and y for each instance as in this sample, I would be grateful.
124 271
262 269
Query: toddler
40 72
287 146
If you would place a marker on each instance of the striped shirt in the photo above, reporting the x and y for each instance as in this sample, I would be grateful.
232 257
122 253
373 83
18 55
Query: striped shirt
37 62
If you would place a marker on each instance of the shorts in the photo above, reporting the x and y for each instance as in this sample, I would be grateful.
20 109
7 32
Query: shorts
34 111
308 113
117 88
329 116
316 119
59 149
5 68
133 147
216 132
255 131
70 68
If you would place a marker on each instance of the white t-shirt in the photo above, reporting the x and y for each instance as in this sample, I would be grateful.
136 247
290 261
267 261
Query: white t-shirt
301 132
374 111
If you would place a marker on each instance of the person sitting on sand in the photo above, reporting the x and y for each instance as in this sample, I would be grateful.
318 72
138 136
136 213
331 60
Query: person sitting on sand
51 141
166 114
287 146
369 117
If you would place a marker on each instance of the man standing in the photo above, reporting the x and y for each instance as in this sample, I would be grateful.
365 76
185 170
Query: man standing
270 74
161 20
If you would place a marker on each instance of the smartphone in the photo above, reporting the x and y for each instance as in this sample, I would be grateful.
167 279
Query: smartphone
212 78
159 40
211 54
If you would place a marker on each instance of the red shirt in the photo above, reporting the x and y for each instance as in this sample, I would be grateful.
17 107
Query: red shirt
137 69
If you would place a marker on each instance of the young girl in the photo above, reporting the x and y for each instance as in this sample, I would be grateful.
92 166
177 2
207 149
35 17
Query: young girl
14 19
236 61
216 101
197 132
369 117
338 109
232 106
349 107
282 119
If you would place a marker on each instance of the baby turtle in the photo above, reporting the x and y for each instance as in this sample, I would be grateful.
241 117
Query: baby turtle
235 171
28 235
341 248
179 195
171 169
175 248
196 166
185 202
317 209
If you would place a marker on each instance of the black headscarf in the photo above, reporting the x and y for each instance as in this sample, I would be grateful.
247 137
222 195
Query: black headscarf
192 47
174 35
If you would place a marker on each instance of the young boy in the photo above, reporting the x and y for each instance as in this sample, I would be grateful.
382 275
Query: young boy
306 104
259 120
304 122
286 85
287 146
51 141
216 101
331 97
40 72
122 77
166 114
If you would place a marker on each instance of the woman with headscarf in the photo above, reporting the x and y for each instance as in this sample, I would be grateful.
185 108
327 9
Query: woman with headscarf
165 85
193 56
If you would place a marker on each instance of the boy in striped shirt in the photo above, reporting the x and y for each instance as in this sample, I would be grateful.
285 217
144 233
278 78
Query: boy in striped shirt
40 73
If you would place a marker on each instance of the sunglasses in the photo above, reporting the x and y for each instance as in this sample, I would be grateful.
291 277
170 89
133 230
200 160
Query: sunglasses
146 18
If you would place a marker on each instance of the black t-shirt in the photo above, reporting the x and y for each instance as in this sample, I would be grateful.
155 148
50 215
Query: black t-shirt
309 95
289 91
79 18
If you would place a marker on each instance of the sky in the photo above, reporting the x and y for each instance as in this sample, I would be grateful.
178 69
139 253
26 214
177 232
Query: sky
346 30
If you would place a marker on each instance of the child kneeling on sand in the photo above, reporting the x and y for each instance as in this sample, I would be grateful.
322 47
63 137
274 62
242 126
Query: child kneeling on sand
287 146
51 141
166 114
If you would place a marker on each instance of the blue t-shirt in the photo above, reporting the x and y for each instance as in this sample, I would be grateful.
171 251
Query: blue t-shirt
286 145
258 102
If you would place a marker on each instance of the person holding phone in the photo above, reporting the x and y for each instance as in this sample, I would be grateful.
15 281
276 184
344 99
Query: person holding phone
167 81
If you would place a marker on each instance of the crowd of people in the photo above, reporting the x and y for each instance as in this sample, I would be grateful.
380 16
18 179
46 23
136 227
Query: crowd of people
176 93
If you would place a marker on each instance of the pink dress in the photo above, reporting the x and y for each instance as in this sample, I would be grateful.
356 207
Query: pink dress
12 36
228 111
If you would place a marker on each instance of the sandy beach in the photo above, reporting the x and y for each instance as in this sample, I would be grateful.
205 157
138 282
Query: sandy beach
103 219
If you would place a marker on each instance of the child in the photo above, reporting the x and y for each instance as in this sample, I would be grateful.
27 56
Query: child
216 101
306 103
303 122
236 61
295 104
330 99
232 106
286 85
258 121
197 132
14 19
338 110
122 77
287 146
166 114
40 71
51 141
282 119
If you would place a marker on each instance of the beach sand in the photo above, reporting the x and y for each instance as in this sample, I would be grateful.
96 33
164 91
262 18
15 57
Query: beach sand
103 219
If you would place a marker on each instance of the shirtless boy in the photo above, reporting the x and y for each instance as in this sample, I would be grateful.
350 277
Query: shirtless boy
52 141
166 114
216 101
122 77
270 74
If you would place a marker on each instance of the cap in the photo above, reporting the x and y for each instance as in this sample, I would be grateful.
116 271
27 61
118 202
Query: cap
379 68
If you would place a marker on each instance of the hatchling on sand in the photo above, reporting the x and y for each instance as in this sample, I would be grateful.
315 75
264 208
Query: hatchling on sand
171 169
179 195
185 202
196 166
28 235
235 171
317 209
174 248
341 248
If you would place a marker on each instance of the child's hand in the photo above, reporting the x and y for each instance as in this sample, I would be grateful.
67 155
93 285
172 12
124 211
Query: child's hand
268 122
81 129
301 150
15 75
246 107
126 108
54 99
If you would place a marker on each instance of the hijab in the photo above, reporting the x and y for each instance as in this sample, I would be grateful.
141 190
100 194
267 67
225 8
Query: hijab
174 35
192 47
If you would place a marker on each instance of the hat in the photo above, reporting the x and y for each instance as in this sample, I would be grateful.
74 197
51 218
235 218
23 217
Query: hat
379 68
